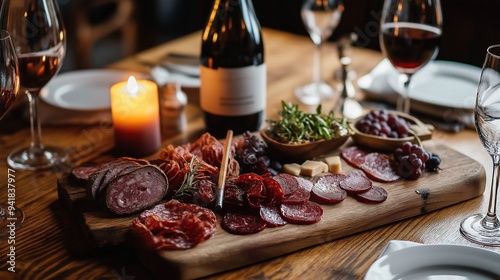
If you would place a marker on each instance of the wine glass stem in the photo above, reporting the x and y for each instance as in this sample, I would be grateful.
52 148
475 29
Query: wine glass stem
490 221
403 101
36 147
317 64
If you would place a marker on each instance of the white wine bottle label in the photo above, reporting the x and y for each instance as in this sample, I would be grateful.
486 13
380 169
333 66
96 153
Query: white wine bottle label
233 91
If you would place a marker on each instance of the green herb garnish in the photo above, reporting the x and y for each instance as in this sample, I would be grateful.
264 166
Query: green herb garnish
295 126
189 179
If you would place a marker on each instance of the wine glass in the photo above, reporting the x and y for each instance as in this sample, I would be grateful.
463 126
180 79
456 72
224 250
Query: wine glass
410 31
11 217
320 18
485 228
39 37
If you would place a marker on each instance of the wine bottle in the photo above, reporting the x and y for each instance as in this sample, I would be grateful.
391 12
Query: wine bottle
233 72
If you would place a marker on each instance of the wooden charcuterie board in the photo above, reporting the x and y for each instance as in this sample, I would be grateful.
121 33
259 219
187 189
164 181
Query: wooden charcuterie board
460 179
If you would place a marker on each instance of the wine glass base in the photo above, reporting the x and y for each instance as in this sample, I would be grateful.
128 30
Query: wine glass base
312 94
472 229
21 159
11 219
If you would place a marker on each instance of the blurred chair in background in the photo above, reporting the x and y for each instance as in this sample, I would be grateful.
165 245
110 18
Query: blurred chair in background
98 19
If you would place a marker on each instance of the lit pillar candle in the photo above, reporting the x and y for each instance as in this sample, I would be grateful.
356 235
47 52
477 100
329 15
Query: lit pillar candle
136 117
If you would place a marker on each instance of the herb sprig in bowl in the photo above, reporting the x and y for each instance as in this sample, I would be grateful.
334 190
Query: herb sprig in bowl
298 127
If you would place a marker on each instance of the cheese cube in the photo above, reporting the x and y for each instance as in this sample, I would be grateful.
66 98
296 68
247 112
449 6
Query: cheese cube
334 164
311 168
292 168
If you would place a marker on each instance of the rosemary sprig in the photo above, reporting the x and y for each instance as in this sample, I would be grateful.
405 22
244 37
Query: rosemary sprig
296 126
189 179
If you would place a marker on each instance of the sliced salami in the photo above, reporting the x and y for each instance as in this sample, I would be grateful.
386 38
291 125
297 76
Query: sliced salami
380 167
135 191
327 189
272 216
174 226
305 213
374 195
294 193
354 155
288 183
243 223
355 184
305 183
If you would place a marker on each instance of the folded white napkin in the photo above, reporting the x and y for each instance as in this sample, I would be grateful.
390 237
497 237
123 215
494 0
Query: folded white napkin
395 245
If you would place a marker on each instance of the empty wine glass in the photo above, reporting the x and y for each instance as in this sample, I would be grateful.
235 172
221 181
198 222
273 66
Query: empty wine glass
39 38
11 217
409 36
485 228
320 18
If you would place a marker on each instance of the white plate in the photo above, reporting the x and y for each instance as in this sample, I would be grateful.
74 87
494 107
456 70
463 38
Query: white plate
436 262
443 83
84 90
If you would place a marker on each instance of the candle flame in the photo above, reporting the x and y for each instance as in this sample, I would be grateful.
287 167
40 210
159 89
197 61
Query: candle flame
132 87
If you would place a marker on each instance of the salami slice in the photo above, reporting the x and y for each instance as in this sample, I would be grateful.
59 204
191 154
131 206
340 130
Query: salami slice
305 183
354 155
355 184
272 216
294 193
288 183
327 189
174 226
374 195
380 167
242 223
305 213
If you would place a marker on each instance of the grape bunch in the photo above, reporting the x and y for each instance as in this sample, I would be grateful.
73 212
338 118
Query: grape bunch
252 157
383 124
411 159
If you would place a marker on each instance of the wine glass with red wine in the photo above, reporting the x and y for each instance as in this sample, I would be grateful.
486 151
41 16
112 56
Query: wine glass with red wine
11 217
39 38
410 31
320 19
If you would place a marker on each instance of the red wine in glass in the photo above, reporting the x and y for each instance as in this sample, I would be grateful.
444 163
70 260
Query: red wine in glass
37 70
410 32
409 46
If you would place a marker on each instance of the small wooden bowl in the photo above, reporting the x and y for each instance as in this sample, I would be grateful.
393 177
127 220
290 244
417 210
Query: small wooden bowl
301 151
422 130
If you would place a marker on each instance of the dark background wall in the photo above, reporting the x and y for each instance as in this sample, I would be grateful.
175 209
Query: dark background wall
470 26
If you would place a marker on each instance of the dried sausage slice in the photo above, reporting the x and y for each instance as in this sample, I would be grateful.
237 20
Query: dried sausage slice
243 223
174 226
354 183
354 155
327 189
135 191
305 213
380 167
272 216
374 195
294 193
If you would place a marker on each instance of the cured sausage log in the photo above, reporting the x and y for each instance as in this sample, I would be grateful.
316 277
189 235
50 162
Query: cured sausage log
135 191
123 186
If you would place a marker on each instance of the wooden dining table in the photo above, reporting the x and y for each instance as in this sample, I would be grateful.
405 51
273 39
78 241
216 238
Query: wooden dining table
50 244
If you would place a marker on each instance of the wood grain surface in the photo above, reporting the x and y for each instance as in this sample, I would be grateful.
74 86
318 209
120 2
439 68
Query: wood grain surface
460 179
